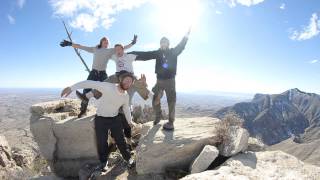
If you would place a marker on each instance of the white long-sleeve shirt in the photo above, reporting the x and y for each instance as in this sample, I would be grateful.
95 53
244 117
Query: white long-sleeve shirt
124 63
110 101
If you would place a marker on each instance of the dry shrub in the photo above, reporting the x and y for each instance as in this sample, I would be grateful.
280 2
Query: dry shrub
223 128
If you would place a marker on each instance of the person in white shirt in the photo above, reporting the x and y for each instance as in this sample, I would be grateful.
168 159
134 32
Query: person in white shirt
113 97
124 63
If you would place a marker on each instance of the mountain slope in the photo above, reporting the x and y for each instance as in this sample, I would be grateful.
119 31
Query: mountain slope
277 117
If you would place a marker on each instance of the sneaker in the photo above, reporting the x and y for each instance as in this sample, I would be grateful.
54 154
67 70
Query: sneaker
168 126
83 108
81 114
81 96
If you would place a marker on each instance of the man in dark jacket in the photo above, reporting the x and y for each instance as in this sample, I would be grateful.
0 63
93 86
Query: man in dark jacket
166 68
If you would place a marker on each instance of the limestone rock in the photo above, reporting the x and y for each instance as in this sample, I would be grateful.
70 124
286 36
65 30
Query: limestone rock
159 149
255 145
205 158
261 165
65 141
237 141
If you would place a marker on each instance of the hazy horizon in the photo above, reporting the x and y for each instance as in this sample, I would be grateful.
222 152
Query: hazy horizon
57 89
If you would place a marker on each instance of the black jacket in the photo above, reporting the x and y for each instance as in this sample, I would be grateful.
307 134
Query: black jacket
166 60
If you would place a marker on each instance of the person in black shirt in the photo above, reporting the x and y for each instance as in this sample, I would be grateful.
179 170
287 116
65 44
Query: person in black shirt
166 68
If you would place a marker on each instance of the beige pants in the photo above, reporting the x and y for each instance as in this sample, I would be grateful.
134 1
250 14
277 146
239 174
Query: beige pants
169 87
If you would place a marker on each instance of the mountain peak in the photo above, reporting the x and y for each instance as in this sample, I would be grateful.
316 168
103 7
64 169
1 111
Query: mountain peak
297 90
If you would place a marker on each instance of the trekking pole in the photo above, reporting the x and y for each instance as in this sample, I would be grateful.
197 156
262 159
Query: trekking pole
75 49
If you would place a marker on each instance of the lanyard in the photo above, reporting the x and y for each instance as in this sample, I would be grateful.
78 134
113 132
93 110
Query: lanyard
165 64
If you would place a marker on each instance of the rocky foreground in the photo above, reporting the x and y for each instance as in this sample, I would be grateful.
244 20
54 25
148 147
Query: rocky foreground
199 148
260 165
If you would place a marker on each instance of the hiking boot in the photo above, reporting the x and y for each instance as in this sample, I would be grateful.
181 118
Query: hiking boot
81 96
81 114
83 108
168 126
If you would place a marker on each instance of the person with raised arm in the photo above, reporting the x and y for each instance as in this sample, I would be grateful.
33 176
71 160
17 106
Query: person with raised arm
113 97
101 55
165 68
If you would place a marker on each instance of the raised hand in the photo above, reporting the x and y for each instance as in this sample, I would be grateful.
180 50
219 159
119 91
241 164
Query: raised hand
65 43
134 40
143 80
66 92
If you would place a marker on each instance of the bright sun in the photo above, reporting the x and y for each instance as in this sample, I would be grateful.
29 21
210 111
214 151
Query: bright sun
174 17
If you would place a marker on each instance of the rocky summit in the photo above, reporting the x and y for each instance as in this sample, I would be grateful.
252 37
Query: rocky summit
159 149
198 148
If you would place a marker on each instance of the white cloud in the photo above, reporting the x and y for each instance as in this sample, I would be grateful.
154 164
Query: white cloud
283 6
85 22
248 3
88 15
313 61
11 19
21 3
308 32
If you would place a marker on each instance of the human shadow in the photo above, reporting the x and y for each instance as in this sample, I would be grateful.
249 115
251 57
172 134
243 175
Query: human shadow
152 132
168 135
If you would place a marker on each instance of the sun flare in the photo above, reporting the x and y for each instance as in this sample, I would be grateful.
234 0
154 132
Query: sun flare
174 17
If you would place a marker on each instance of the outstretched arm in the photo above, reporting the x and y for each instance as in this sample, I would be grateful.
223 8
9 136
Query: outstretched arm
100 86
133 42
180 47
65 43
144 56
88 49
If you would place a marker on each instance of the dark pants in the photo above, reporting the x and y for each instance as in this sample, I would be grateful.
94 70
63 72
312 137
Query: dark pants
169 86
125 125
102 126
95 75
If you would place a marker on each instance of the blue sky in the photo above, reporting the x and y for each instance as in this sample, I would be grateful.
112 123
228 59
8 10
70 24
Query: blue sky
249 46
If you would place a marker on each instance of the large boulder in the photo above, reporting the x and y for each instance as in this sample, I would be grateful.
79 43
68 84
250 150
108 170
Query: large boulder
260 165
65 141
159 149
236 141
205 158
255 145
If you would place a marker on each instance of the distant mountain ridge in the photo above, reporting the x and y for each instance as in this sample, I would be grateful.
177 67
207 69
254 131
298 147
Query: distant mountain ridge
277 117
